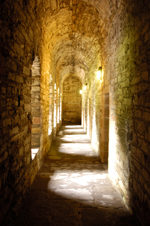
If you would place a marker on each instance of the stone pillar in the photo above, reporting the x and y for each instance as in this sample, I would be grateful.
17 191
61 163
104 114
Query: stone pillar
104 141
36 130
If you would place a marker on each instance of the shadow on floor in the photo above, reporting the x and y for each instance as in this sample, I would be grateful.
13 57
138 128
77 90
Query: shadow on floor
73 188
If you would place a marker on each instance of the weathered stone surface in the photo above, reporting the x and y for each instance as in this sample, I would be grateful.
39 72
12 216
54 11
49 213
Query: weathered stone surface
71 104
44 42
73 190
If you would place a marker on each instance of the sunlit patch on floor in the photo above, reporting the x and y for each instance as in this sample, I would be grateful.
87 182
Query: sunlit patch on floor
79 185
77 149
73 188
80 176
73 126
75 138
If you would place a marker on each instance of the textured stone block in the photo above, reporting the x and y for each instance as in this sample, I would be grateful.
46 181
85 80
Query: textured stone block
27 140
36 120
36 130
26 71
27 108
18 49
35 89
19 79
7 122
21 151
3 90
14 131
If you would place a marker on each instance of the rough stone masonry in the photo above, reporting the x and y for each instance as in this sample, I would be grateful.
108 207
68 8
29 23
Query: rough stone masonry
42 44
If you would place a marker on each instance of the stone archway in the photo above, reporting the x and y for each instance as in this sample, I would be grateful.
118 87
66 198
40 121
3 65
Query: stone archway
72 101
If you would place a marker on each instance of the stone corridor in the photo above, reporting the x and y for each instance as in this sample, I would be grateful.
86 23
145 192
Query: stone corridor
72 188
74 62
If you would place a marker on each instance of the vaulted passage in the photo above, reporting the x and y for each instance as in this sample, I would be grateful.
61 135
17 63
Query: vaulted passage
75 62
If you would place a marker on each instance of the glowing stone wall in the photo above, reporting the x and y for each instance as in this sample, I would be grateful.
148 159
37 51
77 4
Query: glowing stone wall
126 56
76 37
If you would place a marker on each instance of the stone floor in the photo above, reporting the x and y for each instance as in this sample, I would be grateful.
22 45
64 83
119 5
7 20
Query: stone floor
73 188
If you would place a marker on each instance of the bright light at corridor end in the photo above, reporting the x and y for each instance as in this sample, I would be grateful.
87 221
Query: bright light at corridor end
85 86
80 91
99 73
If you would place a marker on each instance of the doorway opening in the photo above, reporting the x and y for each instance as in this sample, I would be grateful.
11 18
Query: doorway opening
72 101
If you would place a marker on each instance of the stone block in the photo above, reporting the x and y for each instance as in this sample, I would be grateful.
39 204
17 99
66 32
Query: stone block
36 72
14 131
28 159
21 151
28 81
140 128
35 130
19 79
3 90
36 120
27 140
20 135
27 108
145 76
26 90
127 101
9 102
136 80
36 81
17 119
139 155
36 112
7 122
8 90
26 71
35 89
146 116
138 113
35 141
145 175
27 148
25 34
4 157
143 145
35 102
18 49
144 66
23 116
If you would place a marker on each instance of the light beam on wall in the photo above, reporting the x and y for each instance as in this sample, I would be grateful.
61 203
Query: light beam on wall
34 151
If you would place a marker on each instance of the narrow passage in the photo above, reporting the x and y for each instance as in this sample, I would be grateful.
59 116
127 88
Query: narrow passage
73 188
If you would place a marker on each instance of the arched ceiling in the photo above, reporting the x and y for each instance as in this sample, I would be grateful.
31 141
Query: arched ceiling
71 31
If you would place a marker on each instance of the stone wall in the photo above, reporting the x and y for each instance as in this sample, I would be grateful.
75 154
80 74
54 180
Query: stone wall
95 104
17 50
75 37
71 103
126 50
